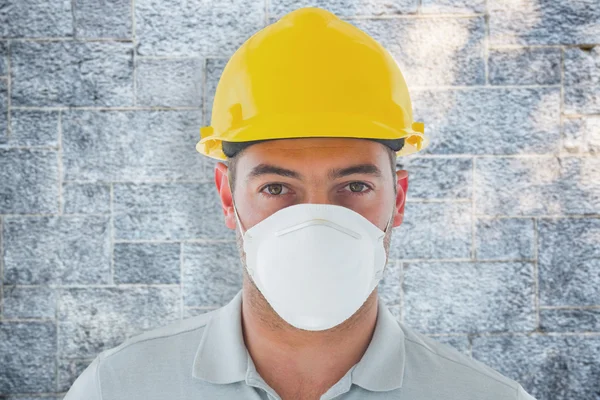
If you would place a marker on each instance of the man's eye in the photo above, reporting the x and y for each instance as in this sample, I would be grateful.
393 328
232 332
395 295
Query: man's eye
273 189
356 188
277 189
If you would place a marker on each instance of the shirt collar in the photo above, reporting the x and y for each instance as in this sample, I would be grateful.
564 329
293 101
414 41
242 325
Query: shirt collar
222 356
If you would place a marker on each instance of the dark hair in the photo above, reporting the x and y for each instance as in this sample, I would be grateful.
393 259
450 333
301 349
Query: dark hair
234 149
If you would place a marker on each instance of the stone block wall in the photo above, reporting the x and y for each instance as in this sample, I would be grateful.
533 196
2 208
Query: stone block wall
110 224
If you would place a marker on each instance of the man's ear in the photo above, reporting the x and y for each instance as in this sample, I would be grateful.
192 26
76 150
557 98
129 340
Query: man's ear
402 188
221 182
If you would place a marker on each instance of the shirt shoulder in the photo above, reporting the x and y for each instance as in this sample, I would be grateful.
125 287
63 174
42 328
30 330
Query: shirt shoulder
166 333
148 356
444 371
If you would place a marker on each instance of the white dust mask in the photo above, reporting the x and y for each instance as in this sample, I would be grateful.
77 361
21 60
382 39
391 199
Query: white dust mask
316 264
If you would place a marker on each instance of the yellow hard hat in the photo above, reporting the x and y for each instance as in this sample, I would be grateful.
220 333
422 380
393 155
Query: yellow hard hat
311 74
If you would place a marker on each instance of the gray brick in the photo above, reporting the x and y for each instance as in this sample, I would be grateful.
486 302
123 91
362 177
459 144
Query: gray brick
459 342
486 297
95 19
131 145
581 66
69 370
390 287
548 367
56 250
86 198
212 273
582 79
170 27
72 73
28 352
504 239
214 69
544 22
29 302
36 18
147 263
569 261
169 83
492 119
528 66
168 212
92 320
582 135
438 178
3 58
582 99
2 245
433 230
346 8
3 111
28 181
33 128
537 186
452 6
570 320
432 51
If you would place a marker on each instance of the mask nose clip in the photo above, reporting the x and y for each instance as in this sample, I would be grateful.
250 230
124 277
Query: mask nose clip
337 227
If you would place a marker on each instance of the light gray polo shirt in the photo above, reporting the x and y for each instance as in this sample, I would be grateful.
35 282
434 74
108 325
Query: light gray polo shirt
205 357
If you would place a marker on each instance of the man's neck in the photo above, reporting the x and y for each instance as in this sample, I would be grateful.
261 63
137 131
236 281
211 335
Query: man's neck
286 357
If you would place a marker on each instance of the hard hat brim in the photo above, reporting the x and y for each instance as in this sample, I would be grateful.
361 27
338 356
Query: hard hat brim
290 126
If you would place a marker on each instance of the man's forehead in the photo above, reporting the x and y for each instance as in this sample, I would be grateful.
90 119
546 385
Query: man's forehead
299 158
314 152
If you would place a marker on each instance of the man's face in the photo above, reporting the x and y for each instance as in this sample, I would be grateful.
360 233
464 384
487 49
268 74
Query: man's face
275 174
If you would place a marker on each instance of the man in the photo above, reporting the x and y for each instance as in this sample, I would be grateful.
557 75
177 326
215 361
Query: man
310 113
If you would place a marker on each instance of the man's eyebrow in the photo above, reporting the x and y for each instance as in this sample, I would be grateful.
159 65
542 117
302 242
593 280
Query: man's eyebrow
335 173
370 169
264 169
